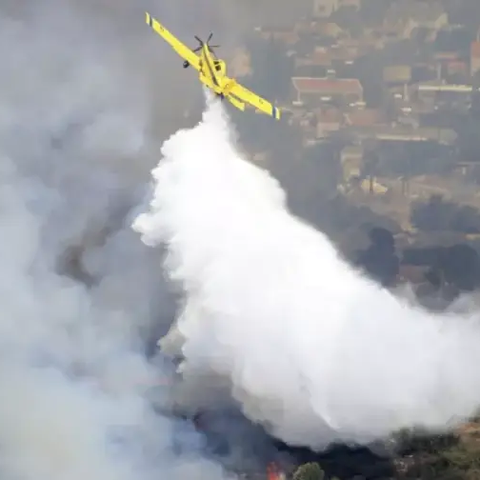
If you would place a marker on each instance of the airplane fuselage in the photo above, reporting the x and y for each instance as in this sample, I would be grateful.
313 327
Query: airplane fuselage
213 71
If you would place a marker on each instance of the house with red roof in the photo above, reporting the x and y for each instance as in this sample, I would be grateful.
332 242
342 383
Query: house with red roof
315 91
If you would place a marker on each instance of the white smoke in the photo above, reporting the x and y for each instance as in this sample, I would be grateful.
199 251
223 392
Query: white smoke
80 293
308 347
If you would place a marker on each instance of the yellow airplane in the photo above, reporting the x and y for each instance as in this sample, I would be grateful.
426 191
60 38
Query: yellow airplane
213 72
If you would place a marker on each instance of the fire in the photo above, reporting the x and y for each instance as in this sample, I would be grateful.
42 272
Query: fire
273 473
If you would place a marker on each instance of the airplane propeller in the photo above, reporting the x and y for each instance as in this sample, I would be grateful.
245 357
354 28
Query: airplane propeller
201 42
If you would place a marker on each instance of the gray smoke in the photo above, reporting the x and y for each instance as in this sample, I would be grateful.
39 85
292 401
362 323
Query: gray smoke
81 296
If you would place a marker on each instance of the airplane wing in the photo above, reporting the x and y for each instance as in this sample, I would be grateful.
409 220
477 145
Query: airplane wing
253 99
176 44
236 103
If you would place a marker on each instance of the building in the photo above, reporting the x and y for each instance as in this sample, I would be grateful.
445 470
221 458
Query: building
397 74
437 94
315 91
324 8
410 15
280 34
328 121
364 117
315 64
474 58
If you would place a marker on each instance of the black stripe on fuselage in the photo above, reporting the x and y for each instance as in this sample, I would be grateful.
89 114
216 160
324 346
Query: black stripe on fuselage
214 78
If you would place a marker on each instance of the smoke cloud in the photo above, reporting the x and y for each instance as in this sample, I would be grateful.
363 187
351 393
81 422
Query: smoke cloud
304 344
80 299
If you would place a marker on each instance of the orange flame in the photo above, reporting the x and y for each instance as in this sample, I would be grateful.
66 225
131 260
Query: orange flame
272 472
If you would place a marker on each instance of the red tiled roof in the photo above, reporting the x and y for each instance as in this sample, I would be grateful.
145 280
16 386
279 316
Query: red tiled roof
327 85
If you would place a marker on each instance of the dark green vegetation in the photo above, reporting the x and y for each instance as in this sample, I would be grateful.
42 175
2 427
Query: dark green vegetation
454 456
309 471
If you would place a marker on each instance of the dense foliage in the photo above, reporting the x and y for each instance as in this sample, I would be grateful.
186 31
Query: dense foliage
309 471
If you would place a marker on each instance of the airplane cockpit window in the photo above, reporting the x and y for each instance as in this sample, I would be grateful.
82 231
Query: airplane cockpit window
217 65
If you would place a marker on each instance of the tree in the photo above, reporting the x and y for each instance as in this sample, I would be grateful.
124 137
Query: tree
309 471
380 259
369 70
348 18
438 214
439 457
272 68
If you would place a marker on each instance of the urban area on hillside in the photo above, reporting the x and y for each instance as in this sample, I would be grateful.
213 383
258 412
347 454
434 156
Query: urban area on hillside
382 102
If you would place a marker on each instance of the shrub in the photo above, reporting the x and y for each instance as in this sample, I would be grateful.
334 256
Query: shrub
309 471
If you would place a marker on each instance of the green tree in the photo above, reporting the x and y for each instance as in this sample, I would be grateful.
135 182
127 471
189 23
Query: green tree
309 471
